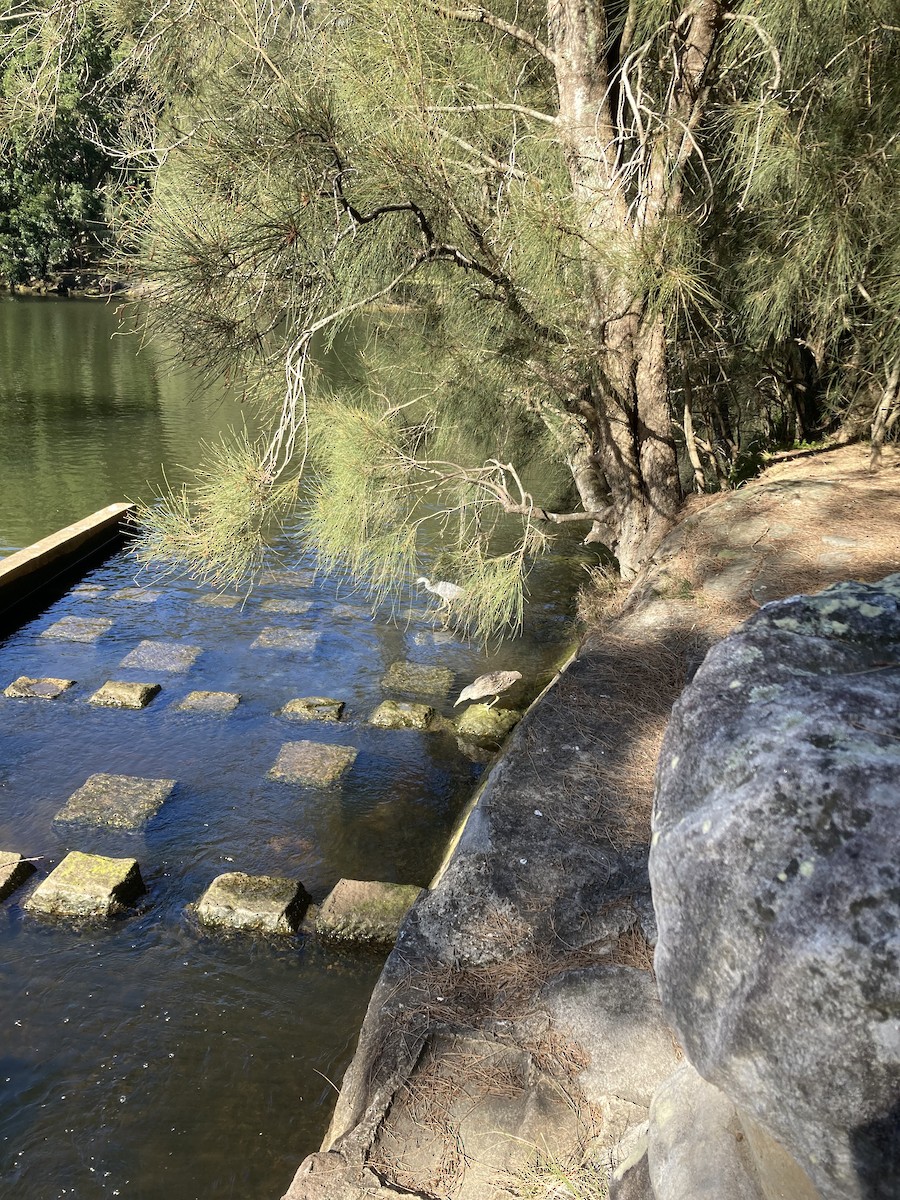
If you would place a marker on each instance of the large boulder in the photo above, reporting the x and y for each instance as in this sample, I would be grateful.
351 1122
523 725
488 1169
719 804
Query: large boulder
776 880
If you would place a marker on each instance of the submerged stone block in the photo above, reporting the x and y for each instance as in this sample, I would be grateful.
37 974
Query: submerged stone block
14 870
26 688
255 903
402 714
313 708
286 577
78 629
219 600
418 678
209 702
117 694
311 762
161 656
137 595
121 801
481 723
361 911
87 885
88 590
295 607
273 637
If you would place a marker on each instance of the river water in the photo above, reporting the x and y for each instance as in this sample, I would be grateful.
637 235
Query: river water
149 1058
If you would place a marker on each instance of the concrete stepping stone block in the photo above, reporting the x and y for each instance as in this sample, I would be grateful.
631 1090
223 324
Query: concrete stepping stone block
286 577
137 595
117 694
312 708
274 637
430 638
219 600
120 801
88 590
14 870
161 656
360 911
295 608
87 885
481 723
209 702
26 688
312 762
402 714
418 678
253 903
78 629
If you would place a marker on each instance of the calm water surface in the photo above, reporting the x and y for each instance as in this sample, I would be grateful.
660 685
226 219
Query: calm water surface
148 1058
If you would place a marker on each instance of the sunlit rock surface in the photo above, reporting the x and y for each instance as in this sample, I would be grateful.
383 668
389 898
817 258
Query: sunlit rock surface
209 702
14 870
121 801
418 679
253 903
26 688
361 911
87 885
312 762
481 723
313 708
161 656
78 629
117 694
402 714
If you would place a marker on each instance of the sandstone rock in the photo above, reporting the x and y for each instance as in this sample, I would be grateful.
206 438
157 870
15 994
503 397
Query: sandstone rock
253 903
312 762
161 656
38 689
313 708
121 801
400 714
776 879
481 723
116 694
136 595
418 679
362 911
14 870
220 703
296 608
78 629
87 885
274 637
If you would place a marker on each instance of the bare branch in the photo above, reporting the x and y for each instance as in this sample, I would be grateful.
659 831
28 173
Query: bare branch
495 107
481 16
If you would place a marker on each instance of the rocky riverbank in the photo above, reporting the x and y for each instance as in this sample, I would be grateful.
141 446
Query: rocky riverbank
516 1041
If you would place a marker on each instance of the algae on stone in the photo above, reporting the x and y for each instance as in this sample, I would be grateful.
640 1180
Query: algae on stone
27 688
274 637
120 801
254 903
365 911
418 678
209 702
313 708
482 723
14 870
87 885
118 694
311 762
402 714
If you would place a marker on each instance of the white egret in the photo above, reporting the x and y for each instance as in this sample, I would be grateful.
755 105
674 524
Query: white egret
448 592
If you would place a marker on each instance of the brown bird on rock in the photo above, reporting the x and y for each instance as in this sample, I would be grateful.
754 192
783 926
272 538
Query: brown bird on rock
491 684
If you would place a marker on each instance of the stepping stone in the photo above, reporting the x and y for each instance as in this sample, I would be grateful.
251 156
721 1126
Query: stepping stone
361 911
402 714
14 870
311 762
481 723
26 688
88 590
161 656
255 903
284 577
209 702
312 708
418 678
219 600
441 637
78 629
275 638
349 612
87 885
295 607
116 694
121 801
137 595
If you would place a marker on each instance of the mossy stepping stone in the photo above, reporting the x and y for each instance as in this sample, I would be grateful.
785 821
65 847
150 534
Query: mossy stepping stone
253 903
312 762
220 703
26 688
78 629
402 714
275 637
312 708
481 723
363 911
117 694
161 656
14 870
294 607
418 679
120 801
87 885
136 595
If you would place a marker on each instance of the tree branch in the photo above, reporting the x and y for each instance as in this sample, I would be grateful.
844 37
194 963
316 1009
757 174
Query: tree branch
496 107
481 16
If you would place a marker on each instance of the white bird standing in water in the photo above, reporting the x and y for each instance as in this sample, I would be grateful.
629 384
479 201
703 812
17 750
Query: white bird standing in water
448 592
491 684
